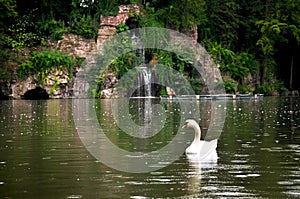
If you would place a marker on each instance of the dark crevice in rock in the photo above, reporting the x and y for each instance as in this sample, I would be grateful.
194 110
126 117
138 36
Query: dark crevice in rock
35 94
3 96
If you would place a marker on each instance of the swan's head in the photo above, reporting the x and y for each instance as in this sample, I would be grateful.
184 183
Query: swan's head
190 123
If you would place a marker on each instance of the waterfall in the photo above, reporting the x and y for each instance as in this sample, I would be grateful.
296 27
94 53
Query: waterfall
144 76
143 82
144 93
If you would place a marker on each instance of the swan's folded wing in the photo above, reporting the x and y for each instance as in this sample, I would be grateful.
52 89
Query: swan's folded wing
208 150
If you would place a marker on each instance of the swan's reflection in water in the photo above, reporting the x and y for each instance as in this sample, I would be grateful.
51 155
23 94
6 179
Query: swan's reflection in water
196 173
197 167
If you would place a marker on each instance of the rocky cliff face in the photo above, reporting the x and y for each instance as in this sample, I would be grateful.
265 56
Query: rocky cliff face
109 23
108 28
58 83
74 45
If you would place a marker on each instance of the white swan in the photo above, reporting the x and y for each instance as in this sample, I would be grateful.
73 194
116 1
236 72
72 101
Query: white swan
200 150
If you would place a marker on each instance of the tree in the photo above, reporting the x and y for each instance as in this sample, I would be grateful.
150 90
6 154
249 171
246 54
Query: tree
290 14
280 25
180 15
7 11
223 21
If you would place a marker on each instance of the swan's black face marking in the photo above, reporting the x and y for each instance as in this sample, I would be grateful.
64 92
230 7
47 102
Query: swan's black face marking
185 125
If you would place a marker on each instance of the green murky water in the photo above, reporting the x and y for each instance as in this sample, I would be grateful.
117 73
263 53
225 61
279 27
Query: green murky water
42 155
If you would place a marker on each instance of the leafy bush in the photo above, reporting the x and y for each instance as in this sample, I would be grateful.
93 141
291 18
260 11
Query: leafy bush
151 18
48 26
238 65
42 63
264 89
230 86
121 28
244 89
271 88
84 26
243 63
79 61
124 63
22 33
106 8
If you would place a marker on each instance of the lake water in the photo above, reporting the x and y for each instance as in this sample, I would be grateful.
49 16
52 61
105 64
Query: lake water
43 156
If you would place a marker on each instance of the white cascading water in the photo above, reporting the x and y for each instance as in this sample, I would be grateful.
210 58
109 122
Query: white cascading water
144 76
143 90
144 82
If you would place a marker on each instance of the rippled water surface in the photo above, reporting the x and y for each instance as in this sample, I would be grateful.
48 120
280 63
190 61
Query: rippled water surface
42 155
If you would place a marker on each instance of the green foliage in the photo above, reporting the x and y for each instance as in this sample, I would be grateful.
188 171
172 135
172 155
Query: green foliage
106 8
5 74
22 33
223 21
271 88
196 84
230 86
264 89
79 61
8 10
244 89
242 36
238 65
247 60
45 62
94 8
54 87
4 57
243 64
163 91
8 62
124 63
150 17
85 15
48 26
268 30
191 12
220 54
121 28
84 26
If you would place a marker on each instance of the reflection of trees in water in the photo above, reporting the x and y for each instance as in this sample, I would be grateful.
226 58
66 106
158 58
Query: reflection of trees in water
38 116
291 117
205 115
143 112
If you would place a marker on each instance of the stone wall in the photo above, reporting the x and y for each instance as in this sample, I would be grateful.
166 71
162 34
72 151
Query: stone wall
109 23
74 45
109 87
58 83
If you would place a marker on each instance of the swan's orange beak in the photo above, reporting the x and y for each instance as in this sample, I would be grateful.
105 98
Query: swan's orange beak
185 125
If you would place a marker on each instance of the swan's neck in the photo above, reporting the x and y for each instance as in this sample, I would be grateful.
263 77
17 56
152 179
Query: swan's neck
197 133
